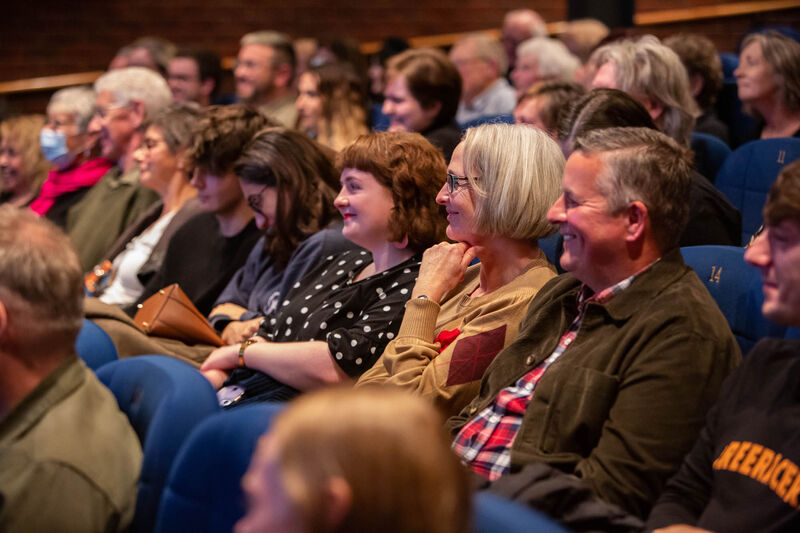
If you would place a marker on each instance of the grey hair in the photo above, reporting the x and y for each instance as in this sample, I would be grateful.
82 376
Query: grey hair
178 123
279 42
40 274
644 165
515 172
553 58
488 49
536 25
136 84
645 68
783 55
78 101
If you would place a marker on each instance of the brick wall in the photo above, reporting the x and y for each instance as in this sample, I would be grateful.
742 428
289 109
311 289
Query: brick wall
53 37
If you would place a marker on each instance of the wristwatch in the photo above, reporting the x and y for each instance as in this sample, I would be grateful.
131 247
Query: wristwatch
242 347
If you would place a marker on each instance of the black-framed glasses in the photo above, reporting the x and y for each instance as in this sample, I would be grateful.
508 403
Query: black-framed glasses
255 201
455 182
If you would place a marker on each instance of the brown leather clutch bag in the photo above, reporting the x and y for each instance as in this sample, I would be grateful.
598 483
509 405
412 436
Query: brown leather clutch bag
169 313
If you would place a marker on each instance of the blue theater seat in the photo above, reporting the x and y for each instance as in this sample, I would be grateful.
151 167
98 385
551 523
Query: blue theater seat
748 174
203 492
94 345
164 399
709 154
488 119
736 287
493 514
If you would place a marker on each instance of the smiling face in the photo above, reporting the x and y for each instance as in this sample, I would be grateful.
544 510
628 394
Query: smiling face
776 253
11 173
366 206
755 79
594 239
459 204
404 111
309 102
157 163
254 73
113 124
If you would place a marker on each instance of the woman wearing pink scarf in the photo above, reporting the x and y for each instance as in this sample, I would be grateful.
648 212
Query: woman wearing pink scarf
72 149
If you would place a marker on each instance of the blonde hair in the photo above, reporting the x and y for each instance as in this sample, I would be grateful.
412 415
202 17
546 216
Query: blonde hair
344 115
515 172
23 132
646 68
389 448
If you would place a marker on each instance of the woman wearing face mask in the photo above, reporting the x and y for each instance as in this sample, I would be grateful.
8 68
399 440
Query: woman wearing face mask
23 168
68 145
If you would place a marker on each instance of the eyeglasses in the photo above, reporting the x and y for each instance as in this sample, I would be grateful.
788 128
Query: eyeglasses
455 182
255 201
756 235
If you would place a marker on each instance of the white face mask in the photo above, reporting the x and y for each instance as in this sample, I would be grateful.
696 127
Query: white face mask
54 148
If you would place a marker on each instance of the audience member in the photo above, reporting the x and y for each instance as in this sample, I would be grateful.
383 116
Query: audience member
331 105
699 55
264 75
654 75
153 53
377 66
367 460
67 144
126 100
287 180
164 167
304 49
194 75
519 25
542 59
422 91
581 36
768 79
500 183
616 362
741 474
712 219
23 167
482 64
337 320
69 459
203 267
546 103
343 50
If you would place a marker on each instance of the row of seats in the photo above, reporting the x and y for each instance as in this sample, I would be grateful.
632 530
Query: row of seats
194 456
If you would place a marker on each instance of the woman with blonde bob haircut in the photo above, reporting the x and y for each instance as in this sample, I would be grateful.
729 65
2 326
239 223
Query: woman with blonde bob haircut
23 167
501 182
369 460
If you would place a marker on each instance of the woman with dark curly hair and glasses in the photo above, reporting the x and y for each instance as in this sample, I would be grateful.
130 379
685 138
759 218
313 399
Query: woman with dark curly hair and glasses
335 322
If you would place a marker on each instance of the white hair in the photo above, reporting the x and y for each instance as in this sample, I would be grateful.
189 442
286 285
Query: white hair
553 58
136 84
78 101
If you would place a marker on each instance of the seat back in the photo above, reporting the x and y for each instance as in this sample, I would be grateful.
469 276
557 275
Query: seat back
488 119
736 287
164 399
709 154
203 492
749 172
94 345
493 514
552 247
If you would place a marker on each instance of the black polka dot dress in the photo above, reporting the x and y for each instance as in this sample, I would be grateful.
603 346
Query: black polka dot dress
356 318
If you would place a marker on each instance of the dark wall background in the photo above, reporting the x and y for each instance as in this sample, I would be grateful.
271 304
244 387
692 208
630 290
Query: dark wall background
44 37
